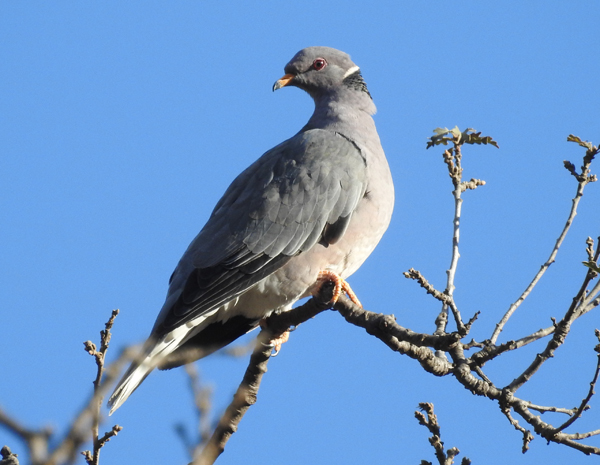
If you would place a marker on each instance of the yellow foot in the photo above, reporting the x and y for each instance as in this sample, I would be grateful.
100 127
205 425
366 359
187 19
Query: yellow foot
339 286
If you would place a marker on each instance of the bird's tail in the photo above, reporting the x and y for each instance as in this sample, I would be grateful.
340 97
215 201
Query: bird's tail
155 352
152 354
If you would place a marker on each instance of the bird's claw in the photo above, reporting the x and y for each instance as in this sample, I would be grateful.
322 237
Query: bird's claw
339 286
278 342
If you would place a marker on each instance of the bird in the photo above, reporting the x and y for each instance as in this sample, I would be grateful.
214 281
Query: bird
315 205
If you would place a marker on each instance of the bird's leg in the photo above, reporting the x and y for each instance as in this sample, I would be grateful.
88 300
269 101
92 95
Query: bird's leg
339 286
276 342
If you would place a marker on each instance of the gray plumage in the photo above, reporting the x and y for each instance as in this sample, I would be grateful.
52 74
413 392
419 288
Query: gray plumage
319 201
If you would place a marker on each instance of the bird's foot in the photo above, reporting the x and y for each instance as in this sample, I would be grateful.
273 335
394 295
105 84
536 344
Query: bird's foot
276 342
339 286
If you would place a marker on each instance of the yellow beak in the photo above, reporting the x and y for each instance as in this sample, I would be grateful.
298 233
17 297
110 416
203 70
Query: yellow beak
284 81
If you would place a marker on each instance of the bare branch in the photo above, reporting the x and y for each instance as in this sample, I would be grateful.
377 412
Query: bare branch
441 353
429 420
491 351
592 256
583 180
239 350
203 403
560 333
452 158
508 401
547 431
527 436
79 430
417 276
584 403
8 458
247 391
89 457
43 448
37 440
544 409
473 343
244 397
415 345
472 184
588 302
93 458
579 436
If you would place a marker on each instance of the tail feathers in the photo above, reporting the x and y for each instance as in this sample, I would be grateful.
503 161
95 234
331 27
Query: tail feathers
154 353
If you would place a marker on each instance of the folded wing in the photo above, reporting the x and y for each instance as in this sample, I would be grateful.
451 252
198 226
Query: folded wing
287 201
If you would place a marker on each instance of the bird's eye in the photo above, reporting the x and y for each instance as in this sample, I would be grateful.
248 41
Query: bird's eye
319 64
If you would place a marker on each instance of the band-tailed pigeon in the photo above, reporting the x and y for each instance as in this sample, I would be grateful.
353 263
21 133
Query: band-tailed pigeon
320 201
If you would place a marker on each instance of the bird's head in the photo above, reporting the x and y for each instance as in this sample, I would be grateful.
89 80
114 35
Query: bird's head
322 70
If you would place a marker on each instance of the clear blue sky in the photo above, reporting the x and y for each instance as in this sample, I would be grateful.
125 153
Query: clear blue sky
122 123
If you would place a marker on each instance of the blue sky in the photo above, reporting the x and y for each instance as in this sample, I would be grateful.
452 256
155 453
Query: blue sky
122 124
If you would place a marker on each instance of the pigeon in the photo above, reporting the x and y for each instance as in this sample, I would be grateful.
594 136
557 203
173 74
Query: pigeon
315 205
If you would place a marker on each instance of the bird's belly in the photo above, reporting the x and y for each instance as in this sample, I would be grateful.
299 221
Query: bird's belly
297 279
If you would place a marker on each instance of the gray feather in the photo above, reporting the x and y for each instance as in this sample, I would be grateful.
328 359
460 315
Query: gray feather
306 185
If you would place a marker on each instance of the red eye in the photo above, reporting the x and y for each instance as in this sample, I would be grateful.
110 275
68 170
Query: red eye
319 64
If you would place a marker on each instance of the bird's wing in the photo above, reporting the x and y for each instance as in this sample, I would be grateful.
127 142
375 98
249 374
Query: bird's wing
299 193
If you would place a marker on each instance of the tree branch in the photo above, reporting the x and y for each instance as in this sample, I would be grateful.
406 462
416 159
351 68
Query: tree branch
93 458
247 391
429 420
583 179
584 403
37 441
8 458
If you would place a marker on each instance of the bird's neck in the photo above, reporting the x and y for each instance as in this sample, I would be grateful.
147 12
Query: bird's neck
349 114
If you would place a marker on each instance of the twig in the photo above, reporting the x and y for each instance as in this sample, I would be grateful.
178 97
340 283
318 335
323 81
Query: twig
490 351
527 436
382 326
481 374
584 403
544 409
581 303
37 440
203 403
239 350
590 249
473 343
78 432
589 300
580 436
429 420
547 431
452 158
42 448
244 397
93 458
416 345
583 179
417 276
247 391
507 401
543 268
8 458
562 328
